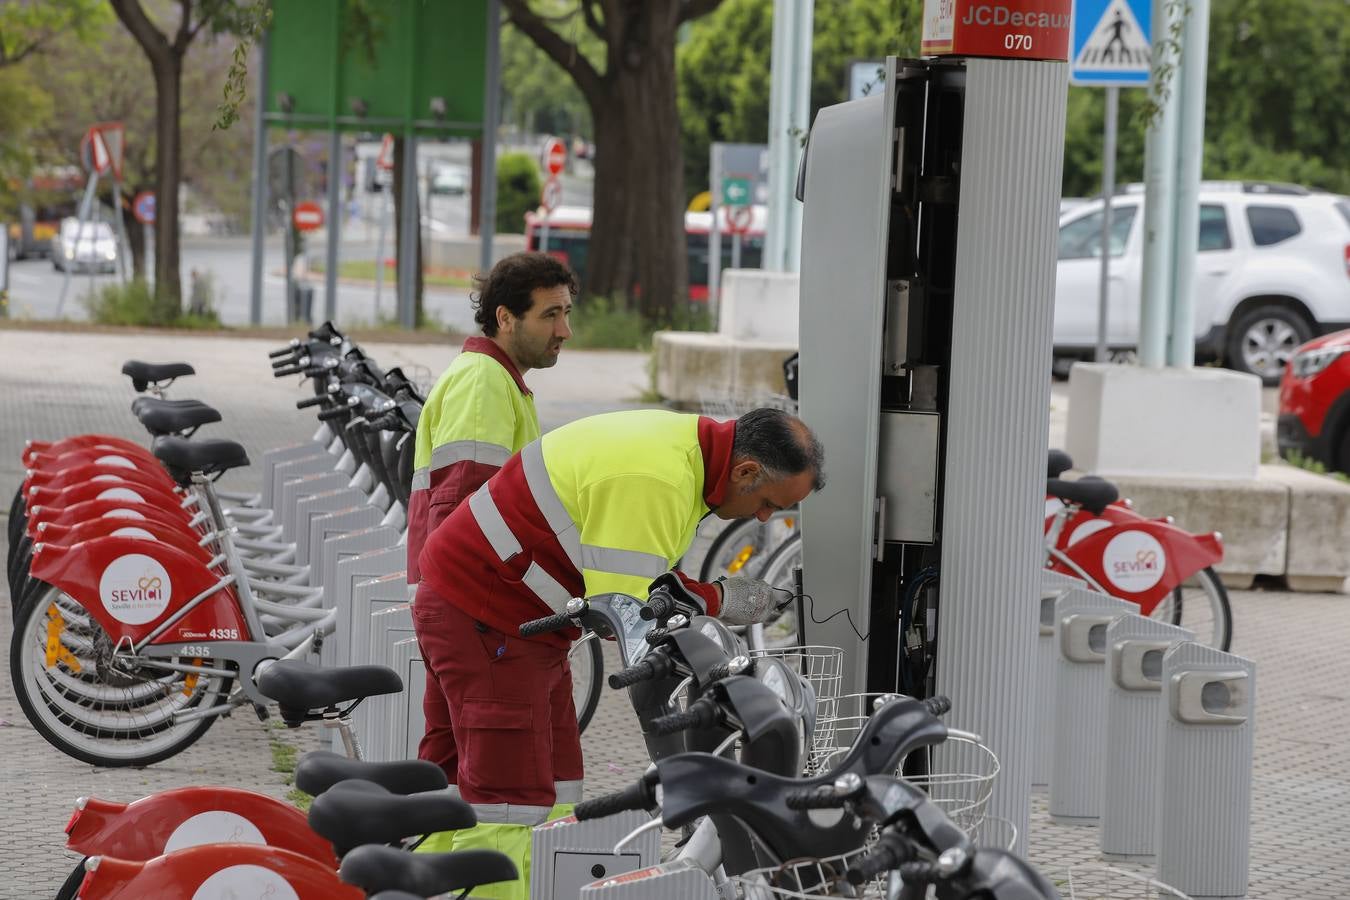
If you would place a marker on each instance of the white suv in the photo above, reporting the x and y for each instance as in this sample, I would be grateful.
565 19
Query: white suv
1272 270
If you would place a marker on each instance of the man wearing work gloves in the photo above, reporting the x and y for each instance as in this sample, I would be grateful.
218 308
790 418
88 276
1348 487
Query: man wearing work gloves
603 504
480 411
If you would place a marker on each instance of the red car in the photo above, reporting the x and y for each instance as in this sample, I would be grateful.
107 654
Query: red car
1315 402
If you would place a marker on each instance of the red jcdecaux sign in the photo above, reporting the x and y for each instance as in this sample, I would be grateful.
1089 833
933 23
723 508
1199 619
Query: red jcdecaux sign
1011 29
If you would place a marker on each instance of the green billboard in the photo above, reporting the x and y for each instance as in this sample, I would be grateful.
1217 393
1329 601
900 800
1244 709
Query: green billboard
397 65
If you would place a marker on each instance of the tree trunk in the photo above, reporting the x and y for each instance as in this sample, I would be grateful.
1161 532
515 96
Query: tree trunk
168 170
419 316
638 245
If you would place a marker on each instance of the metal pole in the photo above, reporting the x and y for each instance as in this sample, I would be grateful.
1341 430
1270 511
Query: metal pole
334 224
736 250
79 233
122 245
1108 195
1190 94
292 308
715 236
1159 189
259 190
385 191
780 119
407 272
487 186
801 120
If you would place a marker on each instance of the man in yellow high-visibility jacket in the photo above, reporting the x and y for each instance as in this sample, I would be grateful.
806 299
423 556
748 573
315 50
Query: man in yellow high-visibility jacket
603 504
480 410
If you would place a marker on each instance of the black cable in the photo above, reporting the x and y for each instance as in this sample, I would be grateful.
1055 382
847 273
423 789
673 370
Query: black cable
792 598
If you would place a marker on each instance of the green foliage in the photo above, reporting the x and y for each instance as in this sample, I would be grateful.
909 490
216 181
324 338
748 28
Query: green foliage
31 28
603 323
538 95
517 191
254 19
1298 460
23 103
133 304
722 69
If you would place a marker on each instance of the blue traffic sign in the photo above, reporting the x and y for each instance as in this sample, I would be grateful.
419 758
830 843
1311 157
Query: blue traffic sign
143 207
1111 43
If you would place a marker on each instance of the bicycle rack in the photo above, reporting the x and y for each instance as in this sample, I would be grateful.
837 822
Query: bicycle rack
1081 618
388 627
1205 794
370 601
1043 678
1135 647
567 855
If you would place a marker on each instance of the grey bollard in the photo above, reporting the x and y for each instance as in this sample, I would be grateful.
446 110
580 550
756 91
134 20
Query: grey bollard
1081 618
1043 673
345 573
370 596
1135 647
1205 792
295 488
275 457
326 515
388 626
408 723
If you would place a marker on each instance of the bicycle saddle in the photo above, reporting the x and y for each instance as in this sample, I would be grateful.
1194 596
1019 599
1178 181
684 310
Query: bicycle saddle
1060 462
1093 494
161 417
144 374
354 813
319 770
299 687
374 868
183 458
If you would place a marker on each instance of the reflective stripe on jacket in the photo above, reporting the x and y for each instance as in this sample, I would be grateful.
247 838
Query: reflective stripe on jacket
606 503
477 415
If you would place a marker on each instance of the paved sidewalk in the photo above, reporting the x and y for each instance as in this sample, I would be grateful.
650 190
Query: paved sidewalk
56 384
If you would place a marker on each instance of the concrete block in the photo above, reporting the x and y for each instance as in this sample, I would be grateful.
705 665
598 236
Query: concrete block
693 365
1319 528
1252 514
759 306
1177 423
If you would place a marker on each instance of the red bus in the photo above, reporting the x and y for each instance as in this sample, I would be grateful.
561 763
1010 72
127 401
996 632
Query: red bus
569 235
46 198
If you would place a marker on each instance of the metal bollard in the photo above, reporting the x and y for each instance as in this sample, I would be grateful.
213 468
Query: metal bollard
566 855
1043 675
409 723
1135 646
371 718
1081 618
388 626
1205 793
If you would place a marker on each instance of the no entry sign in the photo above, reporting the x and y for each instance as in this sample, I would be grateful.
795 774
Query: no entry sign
143 207
307 216
555 156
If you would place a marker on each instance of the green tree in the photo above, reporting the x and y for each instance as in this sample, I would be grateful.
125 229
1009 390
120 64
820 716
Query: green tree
517 190
724 67
638 233
29 27
165 49
536 98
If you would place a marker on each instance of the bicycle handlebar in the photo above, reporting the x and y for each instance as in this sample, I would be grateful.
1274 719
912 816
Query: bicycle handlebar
659 605
284 350
702 713
654 666
555 622
822 797
641 795
892 851
310 401
938 705
328 414
286 370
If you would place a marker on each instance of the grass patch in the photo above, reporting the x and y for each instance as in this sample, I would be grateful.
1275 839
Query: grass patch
364 270
601 323
134 303
1317 467
283 762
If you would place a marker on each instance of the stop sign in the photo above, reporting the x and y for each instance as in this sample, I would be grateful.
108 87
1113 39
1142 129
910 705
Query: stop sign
555 156
307 216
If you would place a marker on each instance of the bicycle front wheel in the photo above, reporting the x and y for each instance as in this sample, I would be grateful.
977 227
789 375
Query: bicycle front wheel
745 545
1201 606
588 673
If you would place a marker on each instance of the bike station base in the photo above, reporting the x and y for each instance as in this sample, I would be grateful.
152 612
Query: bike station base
692 365
1201 424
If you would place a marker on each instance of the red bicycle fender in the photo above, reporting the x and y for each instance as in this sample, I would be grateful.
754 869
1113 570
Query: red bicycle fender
187 817
105 508
1143 561
215 872
98 490
174 535
78 442
101 472
130 585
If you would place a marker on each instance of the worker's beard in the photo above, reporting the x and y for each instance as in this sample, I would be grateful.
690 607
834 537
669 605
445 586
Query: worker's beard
535 353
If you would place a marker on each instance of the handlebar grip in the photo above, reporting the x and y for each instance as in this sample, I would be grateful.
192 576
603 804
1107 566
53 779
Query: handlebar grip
658 606
555 622
274 354
635 796
310 401
286 370
727 669
938 705
328 414
314 371
281 363
890 852
815 798
701 714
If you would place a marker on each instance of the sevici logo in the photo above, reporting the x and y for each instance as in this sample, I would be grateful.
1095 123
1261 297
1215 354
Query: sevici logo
135 589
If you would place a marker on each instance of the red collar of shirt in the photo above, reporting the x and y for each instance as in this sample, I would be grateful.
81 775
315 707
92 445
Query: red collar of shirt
488 347
715 440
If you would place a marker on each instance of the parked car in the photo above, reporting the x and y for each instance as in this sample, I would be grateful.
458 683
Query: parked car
95 249
1272 271
1314 418
450 181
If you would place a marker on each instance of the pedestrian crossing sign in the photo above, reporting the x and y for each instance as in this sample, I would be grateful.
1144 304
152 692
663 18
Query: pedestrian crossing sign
1111 43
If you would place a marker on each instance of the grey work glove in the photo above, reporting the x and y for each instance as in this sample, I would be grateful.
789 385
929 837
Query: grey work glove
745 601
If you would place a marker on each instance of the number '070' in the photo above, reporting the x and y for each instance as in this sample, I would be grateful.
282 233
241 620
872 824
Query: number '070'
1017 42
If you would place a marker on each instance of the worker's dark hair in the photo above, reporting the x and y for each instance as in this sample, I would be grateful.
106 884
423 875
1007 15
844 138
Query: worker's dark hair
781 443
510 284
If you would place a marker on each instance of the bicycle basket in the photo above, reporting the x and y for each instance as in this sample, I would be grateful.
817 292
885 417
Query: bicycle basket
804 879
823 669
1097 882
